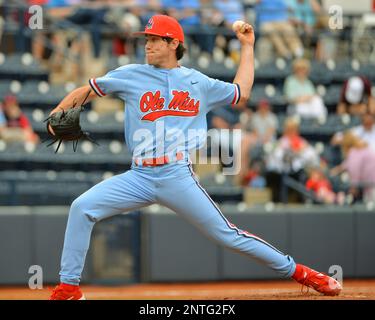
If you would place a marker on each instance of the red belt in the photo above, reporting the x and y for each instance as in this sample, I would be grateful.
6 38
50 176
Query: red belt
153 162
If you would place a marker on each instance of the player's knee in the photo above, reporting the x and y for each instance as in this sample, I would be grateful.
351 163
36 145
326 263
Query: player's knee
77 205
81 205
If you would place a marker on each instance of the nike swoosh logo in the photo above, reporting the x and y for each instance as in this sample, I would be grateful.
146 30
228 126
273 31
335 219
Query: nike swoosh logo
193 82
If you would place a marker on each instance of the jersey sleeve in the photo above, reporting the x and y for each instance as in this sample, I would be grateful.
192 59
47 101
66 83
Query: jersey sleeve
220 93
114 82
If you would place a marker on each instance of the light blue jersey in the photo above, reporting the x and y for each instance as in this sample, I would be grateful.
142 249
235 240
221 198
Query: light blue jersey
165 109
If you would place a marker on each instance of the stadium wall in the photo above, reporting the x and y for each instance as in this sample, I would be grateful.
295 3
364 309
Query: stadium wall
155 245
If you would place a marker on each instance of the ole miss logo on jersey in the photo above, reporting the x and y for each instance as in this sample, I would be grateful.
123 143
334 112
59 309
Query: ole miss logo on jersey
182 105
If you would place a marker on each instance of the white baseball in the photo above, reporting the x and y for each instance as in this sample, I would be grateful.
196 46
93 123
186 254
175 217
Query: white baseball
237 25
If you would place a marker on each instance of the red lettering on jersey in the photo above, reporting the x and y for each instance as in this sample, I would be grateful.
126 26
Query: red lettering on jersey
181 105
150 101
178 100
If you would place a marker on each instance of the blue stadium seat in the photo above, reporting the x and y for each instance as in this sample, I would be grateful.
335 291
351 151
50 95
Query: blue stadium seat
32 94
319 74
5 88
22 67
345 69
273 72
270 92
332 96
369 72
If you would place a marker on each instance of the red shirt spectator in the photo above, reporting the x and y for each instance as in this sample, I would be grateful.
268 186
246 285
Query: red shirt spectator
19 127
38 2
322 188
20 122
316 184
14 116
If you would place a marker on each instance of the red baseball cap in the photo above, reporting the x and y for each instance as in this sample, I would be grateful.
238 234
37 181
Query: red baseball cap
163 26
9 100
263 103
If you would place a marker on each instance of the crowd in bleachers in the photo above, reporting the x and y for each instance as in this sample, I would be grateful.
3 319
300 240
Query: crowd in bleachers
310 115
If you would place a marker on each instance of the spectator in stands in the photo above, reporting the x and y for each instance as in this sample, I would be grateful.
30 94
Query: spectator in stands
55 10
228 119
290 156
292 153
91 15
37 2
304 14
72 23
254 177
147 8
356 97
230 11
365 131
359 162
126 19
38 38
263 123
18 127
311 22
300 93
259 130
322 188
187 12
273 21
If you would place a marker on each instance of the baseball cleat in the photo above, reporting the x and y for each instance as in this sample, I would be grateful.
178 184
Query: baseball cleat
317 280
67 292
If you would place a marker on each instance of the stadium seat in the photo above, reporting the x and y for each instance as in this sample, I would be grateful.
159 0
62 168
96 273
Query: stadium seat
221 188
319 74
49 193
41 93
346 68
274 72
332 96
270 92
22 67
115 62
369 72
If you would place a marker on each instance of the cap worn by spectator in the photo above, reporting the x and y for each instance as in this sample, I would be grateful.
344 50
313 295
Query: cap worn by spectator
354 91
9 100
263 103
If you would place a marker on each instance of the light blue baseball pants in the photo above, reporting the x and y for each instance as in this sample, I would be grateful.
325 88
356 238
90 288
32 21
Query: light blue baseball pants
174 186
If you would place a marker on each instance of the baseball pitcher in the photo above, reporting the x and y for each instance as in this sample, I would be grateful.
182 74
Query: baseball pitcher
163 101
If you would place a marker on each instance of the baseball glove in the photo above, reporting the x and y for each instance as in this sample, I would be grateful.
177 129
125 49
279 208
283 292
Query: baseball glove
66 127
